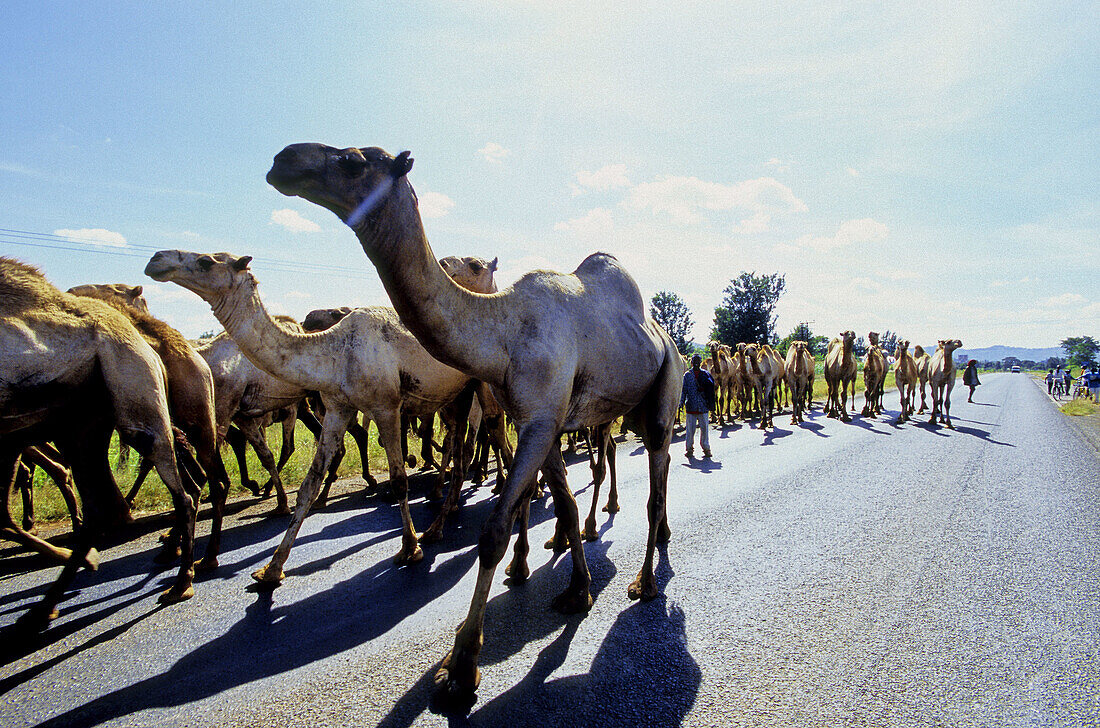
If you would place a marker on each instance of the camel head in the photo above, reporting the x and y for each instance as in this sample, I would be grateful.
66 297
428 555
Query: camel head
751 351
849 338
209 275
872 338
324 318
336 179
472 273
903 348
799 347
128 295
949 345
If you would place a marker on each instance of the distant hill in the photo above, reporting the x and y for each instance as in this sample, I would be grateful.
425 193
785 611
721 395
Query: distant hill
997 353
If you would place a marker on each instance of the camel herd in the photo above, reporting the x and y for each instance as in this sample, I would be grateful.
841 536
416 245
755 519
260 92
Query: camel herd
556 352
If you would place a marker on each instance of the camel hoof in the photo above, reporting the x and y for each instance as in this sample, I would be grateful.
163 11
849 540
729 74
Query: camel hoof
253 488
644 589
165 537
432 535
611 508
590 534
206 564
455 692
167 555
91 561
572 601
557 545
405 558
517 571
950 426
176 595
270 574
283 509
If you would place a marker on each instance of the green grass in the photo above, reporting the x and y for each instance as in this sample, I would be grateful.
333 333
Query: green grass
1079 408
153 496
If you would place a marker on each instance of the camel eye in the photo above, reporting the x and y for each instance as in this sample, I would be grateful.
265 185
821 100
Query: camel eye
351 164
205 262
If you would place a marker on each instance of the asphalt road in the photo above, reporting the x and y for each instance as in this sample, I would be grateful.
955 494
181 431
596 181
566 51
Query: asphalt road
828 574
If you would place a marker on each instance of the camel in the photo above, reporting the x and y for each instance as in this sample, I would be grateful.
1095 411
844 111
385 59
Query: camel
190 400
725 380
874 375
765 369
941 375
246 395
906 377
800 377
75 370
367 362
840 371
923 359
743 374
561 351
778 374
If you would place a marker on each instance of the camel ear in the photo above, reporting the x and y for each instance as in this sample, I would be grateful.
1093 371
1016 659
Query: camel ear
242 263
401 165
205 262
136 291
493 266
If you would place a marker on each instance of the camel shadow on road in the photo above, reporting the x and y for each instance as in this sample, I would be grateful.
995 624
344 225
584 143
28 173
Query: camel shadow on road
642 668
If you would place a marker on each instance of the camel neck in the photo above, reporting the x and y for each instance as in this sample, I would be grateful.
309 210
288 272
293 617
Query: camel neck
284 354
455 325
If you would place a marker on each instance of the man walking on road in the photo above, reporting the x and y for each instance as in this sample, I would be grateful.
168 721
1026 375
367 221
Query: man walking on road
698 394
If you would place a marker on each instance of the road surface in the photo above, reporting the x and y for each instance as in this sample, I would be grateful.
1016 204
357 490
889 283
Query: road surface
825 574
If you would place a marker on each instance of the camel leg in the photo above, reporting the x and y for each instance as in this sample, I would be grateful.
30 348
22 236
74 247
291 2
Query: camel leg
24 483
599 472
426 434
239 442
9 466
517 570
458 675
361 435
287 448
844 401
613 492
947 408
658 437
389 432
49 459
144 468
254 434
337 417
457 415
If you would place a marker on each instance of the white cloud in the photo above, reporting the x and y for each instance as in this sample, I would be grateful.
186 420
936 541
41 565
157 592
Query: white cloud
850 232
596 224
781 165
494 153
852 171
95 236
605 178
434 204
294 222
1066 299
682 198
300 295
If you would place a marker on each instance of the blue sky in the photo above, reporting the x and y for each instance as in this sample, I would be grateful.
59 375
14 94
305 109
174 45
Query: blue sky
932 171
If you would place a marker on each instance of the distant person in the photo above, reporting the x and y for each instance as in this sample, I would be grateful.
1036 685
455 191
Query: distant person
1050 382
1067 381
1093 383
970 378
698 394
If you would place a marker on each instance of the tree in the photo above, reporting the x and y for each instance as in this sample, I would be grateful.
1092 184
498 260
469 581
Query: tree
670 311
888 342
802 332
859 346
1081 350
747 313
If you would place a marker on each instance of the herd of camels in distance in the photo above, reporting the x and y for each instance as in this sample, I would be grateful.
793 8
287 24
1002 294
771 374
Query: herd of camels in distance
555 352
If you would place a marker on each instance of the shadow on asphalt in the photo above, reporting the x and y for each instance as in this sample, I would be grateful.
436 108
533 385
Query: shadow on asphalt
642 667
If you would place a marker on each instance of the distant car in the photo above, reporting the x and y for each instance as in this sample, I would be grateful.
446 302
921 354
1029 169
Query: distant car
1015 370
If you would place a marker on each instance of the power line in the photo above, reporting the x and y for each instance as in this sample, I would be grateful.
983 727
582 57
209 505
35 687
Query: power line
51 241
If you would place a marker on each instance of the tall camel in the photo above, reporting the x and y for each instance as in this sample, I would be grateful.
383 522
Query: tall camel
941 375
906 377
765 369
190 401
560 352
923 359
725 380
840 371
800 377
874 375
75 369
367 362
